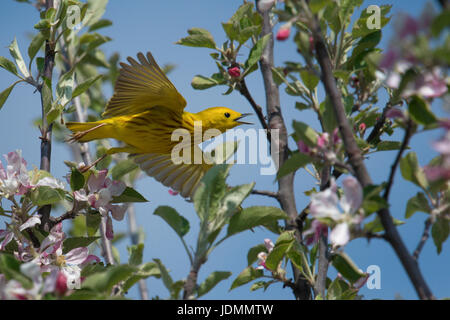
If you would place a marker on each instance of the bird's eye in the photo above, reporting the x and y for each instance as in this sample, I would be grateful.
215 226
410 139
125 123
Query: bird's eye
227 115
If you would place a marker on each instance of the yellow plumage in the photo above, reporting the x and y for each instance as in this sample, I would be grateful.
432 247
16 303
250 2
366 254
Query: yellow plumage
143 112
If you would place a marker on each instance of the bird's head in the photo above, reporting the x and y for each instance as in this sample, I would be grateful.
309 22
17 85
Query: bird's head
221 118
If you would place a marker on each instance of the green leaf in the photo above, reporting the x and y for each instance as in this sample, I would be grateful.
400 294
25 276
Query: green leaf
305 133
5 93
8 65
367 43
420 112
15 53
210 191
149 269
200 82
135 253
76 180
167 279
276 255
103 282
360 28
82 87
301 106
247 275
122 168
252 254
309 79
317 5
35 45
129 195
411 171
388 145
440 22
417 203
176 221
44 195
10 268
211 281
47 95
256 51
198 38
77 242
440 232
254 216
346 267
293 163
92 222
103 23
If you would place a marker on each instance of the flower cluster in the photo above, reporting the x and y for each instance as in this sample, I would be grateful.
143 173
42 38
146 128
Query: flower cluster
441 171
327 207
99 196
324 148
15 179
401 57
50 270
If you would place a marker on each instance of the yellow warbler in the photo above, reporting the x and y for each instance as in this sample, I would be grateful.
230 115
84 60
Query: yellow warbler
143 112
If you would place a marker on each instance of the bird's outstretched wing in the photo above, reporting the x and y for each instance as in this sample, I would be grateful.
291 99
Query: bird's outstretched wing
183 178
142 85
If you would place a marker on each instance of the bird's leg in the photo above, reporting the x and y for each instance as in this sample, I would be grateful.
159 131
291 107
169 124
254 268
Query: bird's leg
78 135
86 168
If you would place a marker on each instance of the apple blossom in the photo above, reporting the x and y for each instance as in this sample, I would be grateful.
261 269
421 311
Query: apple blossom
101 193
327 205
14 180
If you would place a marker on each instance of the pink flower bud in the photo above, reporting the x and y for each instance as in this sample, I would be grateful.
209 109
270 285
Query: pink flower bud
362 127
323 140
173 192
234 72
283 33
61 284
303 147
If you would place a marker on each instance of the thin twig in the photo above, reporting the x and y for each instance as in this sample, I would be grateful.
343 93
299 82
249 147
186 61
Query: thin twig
404 145
423 239
258 110
265 193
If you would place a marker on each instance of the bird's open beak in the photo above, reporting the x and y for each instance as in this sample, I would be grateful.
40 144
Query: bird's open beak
242 116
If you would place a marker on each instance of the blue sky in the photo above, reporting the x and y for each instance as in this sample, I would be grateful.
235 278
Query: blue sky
154 26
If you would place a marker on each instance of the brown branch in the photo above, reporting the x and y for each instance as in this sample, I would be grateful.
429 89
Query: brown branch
258 110
46 129
404 145
423 239
376 131
280 155
266 193
356 161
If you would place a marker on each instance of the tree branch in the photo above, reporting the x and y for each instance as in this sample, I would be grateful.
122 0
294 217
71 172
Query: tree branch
281 153
404 145
356 161
423 239
46 129
266 193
